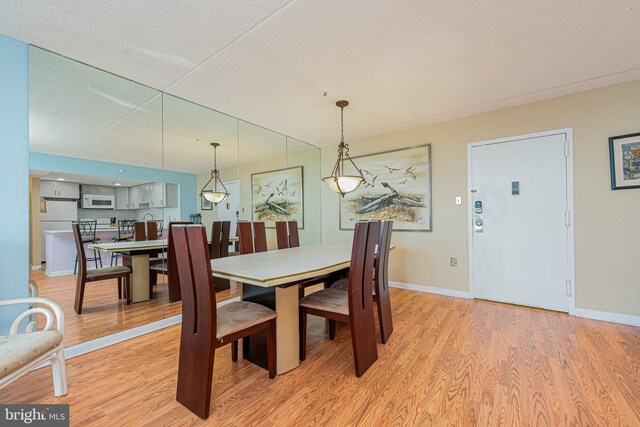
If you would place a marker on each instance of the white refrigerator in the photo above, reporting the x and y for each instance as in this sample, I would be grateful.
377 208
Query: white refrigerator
58 217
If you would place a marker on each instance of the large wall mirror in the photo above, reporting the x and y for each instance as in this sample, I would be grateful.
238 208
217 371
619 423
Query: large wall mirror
112 155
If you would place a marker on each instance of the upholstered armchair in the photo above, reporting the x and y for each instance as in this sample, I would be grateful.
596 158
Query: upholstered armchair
21 352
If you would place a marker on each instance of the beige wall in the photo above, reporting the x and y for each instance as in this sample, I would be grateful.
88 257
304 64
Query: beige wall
34 223
607 235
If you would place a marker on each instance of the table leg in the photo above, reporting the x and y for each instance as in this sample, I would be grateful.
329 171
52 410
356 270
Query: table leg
287 333
139 277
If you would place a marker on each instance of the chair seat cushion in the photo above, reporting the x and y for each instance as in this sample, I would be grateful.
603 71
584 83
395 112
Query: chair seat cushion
107 271
19 349
343 284
123 238
240 315
331 299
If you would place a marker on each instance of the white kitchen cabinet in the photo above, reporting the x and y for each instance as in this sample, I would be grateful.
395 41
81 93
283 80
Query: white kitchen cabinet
60 190
99 189
134 197
153 195
122 198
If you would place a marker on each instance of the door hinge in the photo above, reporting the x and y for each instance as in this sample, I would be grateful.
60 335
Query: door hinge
567 218
566 148
568 287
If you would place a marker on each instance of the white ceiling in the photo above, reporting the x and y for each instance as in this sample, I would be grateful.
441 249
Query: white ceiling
401 64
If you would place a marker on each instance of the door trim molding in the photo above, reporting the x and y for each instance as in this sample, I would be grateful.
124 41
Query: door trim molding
568 132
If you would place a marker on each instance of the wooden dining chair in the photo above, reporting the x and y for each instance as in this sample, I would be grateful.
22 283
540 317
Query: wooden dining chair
252 237
219 248
122 273
205 327
355 306
287 234
380 281
168 266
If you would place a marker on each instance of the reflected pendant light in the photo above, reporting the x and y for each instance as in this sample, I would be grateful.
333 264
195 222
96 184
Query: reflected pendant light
338 181
215 196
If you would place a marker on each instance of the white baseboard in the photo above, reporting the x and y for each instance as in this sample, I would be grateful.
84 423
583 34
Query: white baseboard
106 341
607 316
58 273
430 289
34 267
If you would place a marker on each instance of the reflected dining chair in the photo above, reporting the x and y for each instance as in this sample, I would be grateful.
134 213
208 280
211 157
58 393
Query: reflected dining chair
122 273
88 233
126 229
167 266
287 234
252 237
145 230
380 281
206 327
355 306
219 248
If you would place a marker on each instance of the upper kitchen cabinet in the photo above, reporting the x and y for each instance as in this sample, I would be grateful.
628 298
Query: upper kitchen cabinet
59 190
99 190
122 198
152 195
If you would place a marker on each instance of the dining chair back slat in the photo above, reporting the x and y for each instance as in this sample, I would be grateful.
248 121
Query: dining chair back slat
245 237
294 239
381 281
197 338
152 230
140 231
260 237
82 256
360 289
219 248
282 236
173 279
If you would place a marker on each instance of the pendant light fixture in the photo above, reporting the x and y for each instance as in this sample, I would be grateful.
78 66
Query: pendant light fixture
338 181
214 196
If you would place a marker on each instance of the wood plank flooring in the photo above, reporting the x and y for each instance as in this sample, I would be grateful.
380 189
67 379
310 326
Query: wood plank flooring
449 362
102 312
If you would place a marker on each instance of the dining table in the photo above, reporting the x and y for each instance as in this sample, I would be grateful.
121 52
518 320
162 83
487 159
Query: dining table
137 255
273 278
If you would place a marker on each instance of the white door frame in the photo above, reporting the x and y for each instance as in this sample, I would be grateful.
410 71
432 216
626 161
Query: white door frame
568 132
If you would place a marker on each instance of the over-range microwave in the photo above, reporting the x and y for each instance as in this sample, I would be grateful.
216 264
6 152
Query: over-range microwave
95 201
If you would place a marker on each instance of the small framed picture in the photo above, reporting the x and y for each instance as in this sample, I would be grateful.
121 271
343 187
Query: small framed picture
624 157
205 205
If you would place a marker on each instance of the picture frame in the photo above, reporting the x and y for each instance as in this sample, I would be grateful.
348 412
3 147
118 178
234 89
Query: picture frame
397 187
278 195
205 205
624 161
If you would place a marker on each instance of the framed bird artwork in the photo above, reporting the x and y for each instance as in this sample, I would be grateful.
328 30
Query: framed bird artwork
278 196
397 187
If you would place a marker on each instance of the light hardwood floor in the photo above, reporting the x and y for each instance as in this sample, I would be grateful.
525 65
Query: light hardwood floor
449 362
102 312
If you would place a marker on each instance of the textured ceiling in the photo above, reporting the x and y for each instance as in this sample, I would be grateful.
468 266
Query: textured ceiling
400 63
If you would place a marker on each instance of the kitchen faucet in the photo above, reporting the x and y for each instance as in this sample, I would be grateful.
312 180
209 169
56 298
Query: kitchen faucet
144 218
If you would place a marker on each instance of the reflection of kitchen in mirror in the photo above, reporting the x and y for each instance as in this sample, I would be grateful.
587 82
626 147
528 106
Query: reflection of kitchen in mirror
95 162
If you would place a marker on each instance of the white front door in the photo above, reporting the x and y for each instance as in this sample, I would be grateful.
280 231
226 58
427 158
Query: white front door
520 236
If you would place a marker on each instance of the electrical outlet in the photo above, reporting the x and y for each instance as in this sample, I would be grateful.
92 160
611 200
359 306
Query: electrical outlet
453 262
458 200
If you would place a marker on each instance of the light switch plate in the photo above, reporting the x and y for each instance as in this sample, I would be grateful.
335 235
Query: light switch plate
458 200
453 262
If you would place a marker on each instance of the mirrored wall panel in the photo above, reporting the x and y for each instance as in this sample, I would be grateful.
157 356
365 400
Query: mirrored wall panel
120 162
95 163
